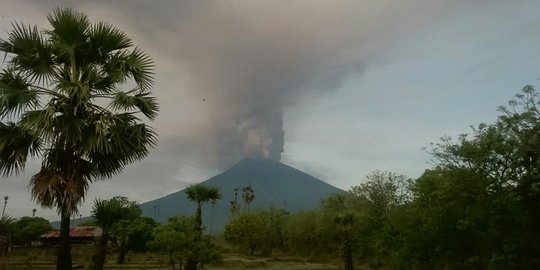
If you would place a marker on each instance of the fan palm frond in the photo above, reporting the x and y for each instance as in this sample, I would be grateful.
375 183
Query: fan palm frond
142 101
15 95
202 193
32 55
16 145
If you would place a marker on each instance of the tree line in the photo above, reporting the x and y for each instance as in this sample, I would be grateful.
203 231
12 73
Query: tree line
478 207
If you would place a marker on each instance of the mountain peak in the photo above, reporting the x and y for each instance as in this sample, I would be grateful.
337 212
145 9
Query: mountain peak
256 160
274 183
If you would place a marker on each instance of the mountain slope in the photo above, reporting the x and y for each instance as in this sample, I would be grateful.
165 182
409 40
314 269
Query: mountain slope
274 184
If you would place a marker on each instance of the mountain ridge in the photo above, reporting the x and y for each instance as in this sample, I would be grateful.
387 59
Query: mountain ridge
275 185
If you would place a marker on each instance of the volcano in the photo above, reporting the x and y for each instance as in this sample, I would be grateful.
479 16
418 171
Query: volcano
275 185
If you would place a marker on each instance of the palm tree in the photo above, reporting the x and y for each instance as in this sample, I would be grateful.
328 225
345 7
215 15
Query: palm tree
5 203
345 224
200 194
248 195
107 213
62 98
7 224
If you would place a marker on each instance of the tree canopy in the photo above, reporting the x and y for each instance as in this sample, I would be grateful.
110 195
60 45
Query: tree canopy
62 100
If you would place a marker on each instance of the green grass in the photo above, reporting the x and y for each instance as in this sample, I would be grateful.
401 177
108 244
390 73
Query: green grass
44 258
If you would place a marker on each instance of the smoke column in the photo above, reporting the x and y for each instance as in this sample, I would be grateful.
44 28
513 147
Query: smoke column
234 66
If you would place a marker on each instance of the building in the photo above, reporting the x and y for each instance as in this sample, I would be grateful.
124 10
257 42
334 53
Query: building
77 235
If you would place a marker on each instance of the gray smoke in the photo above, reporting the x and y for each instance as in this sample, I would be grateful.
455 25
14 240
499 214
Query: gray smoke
232 67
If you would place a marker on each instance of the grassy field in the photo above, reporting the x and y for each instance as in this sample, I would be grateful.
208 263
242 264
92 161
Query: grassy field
43 258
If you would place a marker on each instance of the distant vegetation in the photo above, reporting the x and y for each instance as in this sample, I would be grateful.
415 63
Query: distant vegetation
476 208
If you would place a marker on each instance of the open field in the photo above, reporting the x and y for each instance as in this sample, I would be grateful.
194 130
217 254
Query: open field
43 258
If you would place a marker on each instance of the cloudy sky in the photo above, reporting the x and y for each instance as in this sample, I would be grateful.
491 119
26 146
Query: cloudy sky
334 88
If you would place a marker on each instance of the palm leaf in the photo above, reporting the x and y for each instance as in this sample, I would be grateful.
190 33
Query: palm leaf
16 145
142 101
41 122
202 193
31 53
116 141
62 181
70 28
136 64
15 94
104 39
141 66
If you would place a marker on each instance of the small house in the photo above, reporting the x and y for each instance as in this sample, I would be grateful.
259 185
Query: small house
77 235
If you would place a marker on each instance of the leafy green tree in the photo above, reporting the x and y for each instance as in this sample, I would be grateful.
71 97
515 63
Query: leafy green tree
133 234
377 201
200 194
384 190
257 233
62 100
301 230
345 224
479 206
476 208
6 224
106 214
28 229
7 227
316 233
246 232
176 239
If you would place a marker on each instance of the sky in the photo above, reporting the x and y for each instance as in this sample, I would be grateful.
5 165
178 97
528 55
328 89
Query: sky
337 89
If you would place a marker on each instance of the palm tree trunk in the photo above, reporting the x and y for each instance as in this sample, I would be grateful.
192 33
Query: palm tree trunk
63 258
191 264
5 203
171 260
347 252
122 250
198 219
193 259
98 259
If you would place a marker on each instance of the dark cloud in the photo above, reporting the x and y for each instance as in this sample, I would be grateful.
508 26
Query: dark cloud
237 64
249 60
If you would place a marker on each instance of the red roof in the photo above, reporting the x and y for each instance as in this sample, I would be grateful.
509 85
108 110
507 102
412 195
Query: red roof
76 232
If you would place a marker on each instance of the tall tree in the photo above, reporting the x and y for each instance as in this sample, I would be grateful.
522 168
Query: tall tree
233 205
345 224
176 238
7 227
248 195
479 206
5 204
200 194
61 100
107 213
132 234
28 229
257 232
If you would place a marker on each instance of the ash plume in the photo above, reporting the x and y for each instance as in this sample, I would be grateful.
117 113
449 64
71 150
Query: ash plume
228 69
